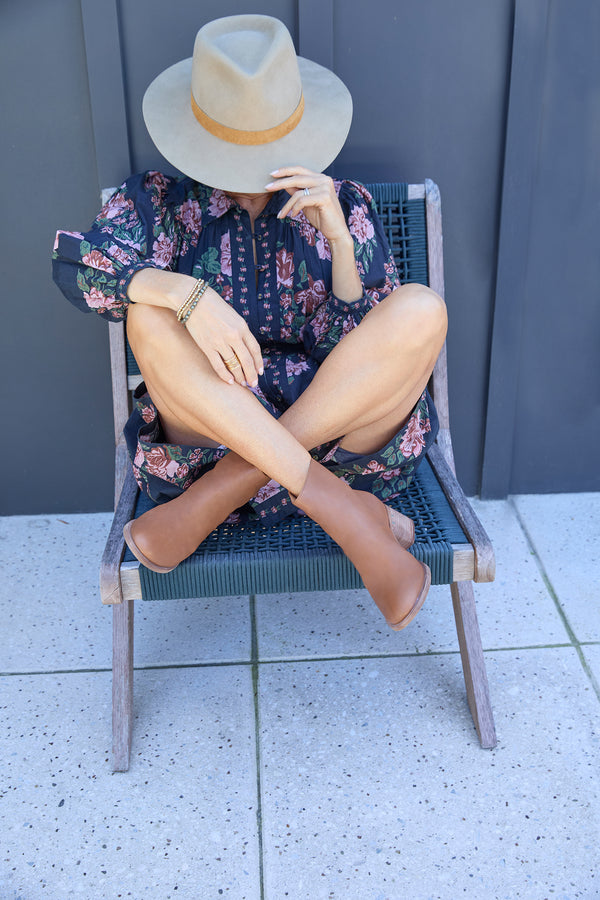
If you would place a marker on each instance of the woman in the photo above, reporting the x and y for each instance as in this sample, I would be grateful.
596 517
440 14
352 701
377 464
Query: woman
265 315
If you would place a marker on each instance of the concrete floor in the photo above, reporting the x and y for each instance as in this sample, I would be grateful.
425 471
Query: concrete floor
293 747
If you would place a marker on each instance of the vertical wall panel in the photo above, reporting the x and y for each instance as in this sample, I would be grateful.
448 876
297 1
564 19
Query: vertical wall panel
57 446
430 84
557 421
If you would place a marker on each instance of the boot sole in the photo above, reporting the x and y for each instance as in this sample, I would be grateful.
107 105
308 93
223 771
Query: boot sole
418 604
162 570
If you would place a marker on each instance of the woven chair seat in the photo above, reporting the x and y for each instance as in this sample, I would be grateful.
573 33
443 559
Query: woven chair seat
297 555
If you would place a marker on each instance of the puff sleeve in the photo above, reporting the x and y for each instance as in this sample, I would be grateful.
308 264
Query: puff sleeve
334 317
134 230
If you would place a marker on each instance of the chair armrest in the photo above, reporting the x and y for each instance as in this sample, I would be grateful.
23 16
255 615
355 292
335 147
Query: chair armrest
110 577
485 560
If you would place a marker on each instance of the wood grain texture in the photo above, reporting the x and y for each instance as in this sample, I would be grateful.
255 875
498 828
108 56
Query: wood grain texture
473 663
110 580
118 372
122 685
485 561
435 264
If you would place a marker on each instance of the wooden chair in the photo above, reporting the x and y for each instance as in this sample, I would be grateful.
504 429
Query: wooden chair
297 555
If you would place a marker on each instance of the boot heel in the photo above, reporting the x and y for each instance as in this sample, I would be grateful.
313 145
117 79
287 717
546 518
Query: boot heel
401 527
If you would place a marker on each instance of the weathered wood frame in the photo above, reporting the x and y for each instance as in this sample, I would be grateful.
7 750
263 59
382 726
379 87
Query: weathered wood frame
120 583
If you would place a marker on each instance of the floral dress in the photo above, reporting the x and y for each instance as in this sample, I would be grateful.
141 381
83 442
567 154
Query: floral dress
285 297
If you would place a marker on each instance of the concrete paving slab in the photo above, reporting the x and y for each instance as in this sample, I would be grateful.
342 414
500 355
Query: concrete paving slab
52 615
565 530
591 653
180 825
374 785
514 611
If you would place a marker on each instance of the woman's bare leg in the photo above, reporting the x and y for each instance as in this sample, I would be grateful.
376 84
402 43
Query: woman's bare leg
206 411
364 390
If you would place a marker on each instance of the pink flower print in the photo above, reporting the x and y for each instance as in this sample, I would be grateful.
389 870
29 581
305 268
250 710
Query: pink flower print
191 215
267 491
311 297
320 325
306 229
391 473
360 225
162 250
227 293
413 441
183 470
116 206
196 456
96 260
158 463
226 254
157 178
97 300
139 457
347 325
323 248
219 203
374 466
295 367
284 261
148 414
119 254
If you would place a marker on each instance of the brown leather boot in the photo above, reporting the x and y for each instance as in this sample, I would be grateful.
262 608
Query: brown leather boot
364 528
164 536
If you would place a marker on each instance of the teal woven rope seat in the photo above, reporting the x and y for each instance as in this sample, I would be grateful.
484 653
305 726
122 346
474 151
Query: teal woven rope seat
297 555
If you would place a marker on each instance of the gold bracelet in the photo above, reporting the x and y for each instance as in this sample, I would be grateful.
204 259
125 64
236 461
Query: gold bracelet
193 303
200 285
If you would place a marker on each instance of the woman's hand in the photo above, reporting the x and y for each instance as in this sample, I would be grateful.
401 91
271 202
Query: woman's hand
322 209
320 206
222 335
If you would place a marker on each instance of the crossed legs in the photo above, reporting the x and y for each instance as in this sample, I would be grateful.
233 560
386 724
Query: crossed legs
364 390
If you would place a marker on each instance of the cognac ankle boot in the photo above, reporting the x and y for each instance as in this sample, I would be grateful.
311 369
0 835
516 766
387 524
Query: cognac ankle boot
164 536
365 528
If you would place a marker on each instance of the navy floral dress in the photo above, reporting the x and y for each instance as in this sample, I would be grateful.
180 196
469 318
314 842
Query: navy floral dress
285 297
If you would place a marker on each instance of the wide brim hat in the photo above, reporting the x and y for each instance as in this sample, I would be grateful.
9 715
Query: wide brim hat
245 105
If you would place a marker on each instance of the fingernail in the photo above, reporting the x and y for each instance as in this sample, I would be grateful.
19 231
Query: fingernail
255 383
274 172
261 371
269 185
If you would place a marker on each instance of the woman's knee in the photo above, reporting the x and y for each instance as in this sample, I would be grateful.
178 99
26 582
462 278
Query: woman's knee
419 314
148 326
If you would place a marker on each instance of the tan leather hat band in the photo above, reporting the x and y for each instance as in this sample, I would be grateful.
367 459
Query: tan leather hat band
239 136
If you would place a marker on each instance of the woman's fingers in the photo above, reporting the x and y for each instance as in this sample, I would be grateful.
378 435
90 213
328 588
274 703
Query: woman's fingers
224 337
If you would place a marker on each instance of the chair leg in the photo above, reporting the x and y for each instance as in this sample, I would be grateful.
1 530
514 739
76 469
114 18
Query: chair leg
122 687
471 651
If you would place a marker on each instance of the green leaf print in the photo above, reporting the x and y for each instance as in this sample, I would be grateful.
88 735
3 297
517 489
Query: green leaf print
209 261
302 273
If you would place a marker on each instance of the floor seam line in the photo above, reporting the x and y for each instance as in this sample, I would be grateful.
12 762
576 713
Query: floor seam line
575 643
302 659
255 661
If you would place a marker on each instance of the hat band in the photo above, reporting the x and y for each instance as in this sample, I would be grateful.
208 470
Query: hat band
238 136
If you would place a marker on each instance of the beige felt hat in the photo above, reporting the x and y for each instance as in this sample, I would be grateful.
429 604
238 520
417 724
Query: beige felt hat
245 105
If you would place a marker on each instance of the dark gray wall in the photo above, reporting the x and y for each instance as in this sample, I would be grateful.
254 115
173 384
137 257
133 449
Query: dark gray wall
431 83
57 438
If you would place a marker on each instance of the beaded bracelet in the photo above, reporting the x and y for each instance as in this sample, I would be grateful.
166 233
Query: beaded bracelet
189 304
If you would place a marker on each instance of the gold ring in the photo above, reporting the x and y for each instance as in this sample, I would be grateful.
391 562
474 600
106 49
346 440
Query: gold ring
230 364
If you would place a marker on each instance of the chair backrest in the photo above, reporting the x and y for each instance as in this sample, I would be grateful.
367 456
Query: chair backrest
411 216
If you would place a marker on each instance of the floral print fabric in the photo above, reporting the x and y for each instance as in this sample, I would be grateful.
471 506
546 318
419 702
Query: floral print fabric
285 297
